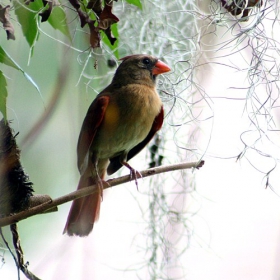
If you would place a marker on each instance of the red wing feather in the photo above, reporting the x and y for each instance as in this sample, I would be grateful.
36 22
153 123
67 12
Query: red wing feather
115 163
92 121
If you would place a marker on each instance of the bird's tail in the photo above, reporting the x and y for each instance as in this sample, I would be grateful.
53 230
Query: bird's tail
84 211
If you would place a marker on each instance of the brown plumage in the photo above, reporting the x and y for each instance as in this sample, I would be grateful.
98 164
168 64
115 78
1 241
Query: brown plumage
119 123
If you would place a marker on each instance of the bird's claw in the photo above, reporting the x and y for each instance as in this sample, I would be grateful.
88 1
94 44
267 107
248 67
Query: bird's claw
100 185
134 175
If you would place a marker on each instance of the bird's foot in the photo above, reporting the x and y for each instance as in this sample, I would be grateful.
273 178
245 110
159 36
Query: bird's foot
101 183
134 174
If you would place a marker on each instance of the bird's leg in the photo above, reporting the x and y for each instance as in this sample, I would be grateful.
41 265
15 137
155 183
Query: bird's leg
134 174
99 181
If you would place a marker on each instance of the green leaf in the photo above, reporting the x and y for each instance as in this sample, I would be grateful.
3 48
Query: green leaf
114 48
27 17
5 58
3 95
58 21
135 2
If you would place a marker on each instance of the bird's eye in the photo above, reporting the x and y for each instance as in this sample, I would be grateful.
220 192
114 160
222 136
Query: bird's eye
146 61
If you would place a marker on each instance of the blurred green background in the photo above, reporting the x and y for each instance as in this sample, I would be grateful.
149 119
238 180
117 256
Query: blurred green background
49 160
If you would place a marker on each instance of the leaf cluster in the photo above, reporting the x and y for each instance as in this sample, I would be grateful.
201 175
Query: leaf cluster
97 15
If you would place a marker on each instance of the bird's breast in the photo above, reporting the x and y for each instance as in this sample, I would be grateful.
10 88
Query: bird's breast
128 120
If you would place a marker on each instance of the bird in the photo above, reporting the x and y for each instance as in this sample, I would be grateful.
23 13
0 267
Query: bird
119 123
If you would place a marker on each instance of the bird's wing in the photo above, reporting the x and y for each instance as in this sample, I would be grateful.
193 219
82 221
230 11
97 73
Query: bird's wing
115 162
92 121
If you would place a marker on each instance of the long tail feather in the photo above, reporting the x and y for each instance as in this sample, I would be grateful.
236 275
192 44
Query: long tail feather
84 211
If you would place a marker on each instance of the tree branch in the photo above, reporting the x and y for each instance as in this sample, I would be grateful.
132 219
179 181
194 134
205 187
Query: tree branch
19 253
91 189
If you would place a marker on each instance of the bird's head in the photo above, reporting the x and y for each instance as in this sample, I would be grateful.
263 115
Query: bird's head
141 69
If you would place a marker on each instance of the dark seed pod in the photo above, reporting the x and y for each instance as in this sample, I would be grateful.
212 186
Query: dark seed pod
15 187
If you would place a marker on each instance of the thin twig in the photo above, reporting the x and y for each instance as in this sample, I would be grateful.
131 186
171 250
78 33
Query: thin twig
10 250
19 252
91 189
56 96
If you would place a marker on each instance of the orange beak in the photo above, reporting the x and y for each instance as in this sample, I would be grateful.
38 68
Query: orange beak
160 68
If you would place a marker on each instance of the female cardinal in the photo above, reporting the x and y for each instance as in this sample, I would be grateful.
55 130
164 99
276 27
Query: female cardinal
119 123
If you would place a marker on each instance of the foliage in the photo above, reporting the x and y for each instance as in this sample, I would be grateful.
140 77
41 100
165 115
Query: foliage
97 16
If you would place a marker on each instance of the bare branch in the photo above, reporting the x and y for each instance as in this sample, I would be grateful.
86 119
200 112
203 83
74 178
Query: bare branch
89 190
19 260
10 250
19 252
57 93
